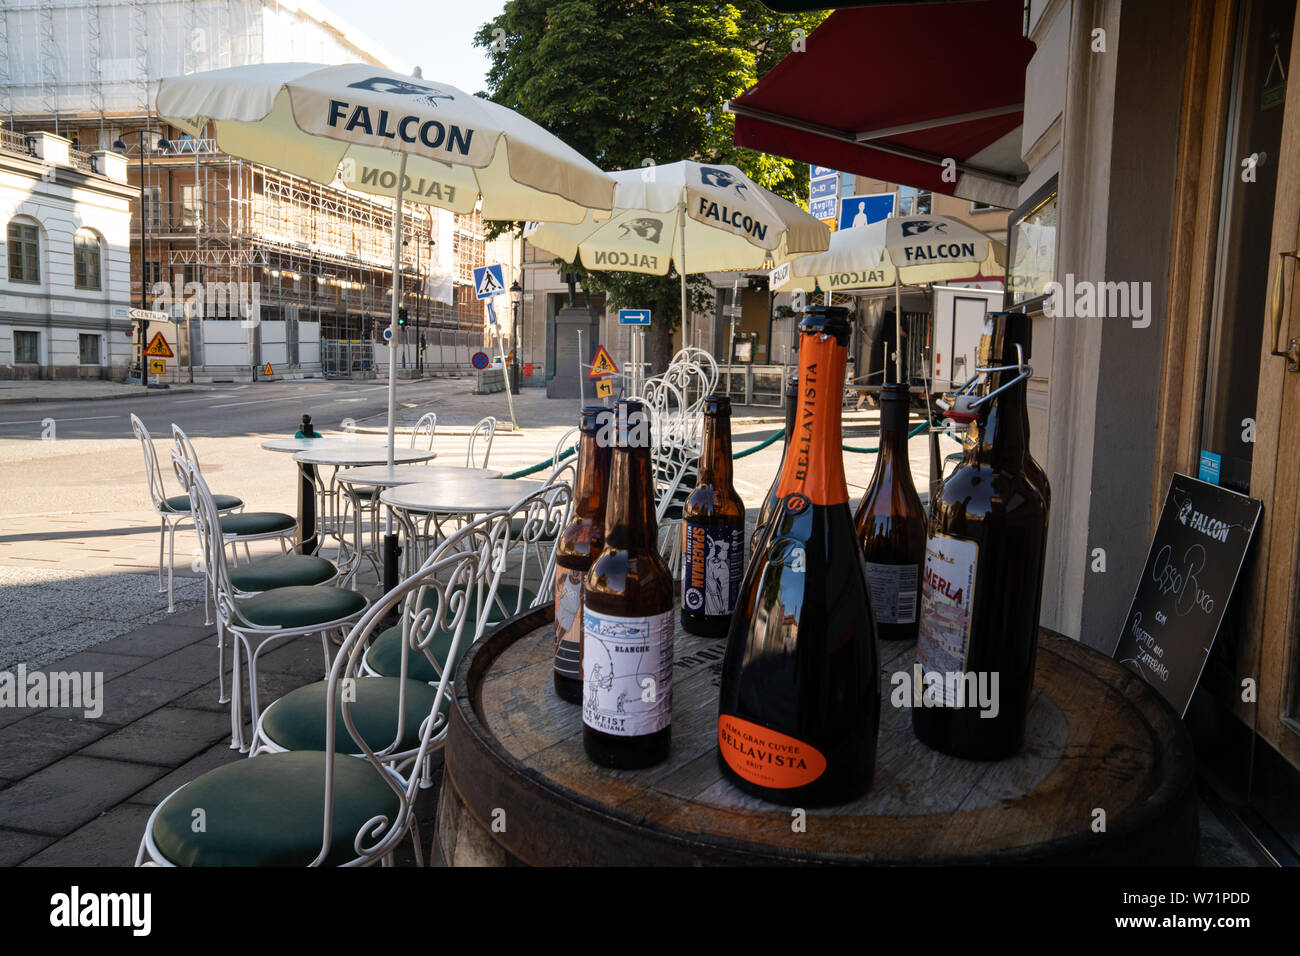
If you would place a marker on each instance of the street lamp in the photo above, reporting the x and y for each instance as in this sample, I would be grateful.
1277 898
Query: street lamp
163 146
515 290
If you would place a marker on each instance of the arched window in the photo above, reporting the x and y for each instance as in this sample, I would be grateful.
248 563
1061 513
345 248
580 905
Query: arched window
23 241
85 260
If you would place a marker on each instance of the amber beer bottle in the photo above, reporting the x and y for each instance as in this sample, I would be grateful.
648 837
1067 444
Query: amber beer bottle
627 622
769 499
982 583
1033 470
891 525
800 698
575 549
713 525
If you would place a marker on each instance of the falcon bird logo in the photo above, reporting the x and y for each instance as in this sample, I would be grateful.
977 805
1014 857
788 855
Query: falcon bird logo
722 180
916 228
429 95
645 228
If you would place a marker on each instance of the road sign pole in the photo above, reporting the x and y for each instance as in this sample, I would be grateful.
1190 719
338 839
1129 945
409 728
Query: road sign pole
505 372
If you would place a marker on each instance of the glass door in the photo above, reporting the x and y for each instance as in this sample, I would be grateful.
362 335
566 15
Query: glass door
1250 175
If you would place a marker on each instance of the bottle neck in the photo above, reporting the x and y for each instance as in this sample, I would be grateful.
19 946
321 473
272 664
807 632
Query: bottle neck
630 514
893 435
814 460
592 478
716 462
1002 432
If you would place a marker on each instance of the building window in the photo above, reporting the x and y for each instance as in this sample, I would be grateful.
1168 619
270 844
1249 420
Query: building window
24 252
85 260
153 274
153 207
27 348
88 349
914 202
191 206
983 207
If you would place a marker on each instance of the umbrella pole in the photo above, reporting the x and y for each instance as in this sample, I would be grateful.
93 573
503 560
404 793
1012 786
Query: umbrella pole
681 270
898 329
390 538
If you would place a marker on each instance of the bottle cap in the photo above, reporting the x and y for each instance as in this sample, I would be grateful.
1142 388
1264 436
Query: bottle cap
827 320
631 424
717 404
590 417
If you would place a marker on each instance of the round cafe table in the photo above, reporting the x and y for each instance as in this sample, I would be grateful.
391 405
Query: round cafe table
1098 739
383 476
431 502
307 541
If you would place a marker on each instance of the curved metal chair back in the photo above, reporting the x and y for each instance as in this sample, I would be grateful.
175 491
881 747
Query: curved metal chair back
484 430
184 446
435 599
428 423
207 523
568 440
531 527
152 470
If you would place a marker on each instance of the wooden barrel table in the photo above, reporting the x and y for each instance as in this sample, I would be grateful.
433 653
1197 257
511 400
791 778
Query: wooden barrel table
1106 776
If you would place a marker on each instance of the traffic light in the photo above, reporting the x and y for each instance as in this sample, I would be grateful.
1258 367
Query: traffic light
401 316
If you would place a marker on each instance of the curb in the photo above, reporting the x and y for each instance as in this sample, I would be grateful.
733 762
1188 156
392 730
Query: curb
143 393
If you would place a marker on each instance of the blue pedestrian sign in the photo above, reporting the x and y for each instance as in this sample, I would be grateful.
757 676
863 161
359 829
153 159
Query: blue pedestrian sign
864 210
633 316
489 281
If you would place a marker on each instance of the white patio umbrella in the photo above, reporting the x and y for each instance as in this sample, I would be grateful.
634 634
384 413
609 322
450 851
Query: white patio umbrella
907 250
378 132
698 217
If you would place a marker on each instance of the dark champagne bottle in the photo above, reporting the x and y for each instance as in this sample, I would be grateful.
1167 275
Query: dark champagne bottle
1033 470
713 526
575 549
627 618
769 499
891 525
800 699
982 584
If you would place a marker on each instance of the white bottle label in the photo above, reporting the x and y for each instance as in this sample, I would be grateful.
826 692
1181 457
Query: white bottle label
947 590
893 592
627 673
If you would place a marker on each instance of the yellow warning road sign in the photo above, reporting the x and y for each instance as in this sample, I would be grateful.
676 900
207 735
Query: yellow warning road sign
158 347
157 366
602 364
268 371
605 388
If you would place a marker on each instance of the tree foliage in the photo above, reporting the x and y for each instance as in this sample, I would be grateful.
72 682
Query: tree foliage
633 81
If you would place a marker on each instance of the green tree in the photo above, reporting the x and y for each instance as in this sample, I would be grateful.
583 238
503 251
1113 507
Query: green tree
631 81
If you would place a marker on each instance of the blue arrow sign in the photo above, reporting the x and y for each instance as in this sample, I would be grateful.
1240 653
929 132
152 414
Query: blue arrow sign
489 281
633 316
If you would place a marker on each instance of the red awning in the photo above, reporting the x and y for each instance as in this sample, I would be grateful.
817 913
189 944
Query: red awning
891 92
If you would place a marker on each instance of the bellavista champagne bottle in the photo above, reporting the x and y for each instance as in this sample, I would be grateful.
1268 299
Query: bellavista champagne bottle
769 499
713 525
575 549
627 622
983 578
891 525
800 698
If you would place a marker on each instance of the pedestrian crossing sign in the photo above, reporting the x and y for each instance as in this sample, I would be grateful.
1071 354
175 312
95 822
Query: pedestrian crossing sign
489 281
602 364
605 388
158 347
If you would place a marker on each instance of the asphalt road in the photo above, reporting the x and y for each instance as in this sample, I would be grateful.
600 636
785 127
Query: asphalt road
222 410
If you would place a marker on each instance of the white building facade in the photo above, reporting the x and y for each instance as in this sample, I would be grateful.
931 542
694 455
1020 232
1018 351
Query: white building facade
65 268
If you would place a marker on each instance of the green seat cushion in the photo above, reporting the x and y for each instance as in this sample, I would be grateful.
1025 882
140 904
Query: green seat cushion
257 522
181 503
365 494
270 811
385 653
297 720
301 606
282 571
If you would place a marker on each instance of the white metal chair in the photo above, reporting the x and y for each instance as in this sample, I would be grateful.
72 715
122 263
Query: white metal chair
263 574
439 619
323 805
483 431
428 424
172 511
266 618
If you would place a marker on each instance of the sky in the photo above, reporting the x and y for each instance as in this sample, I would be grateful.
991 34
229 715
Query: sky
436 36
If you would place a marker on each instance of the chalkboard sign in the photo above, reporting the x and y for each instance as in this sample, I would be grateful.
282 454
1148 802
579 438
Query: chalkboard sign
1191 572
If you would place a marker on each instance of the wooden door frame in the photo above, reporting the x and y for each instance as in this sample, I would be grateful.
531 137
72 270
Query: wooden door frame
1269 641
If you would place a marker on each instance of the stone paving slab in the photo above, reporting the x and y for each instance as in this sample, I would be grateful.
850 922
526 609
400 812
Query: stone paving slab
70 793
167 737
112 839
